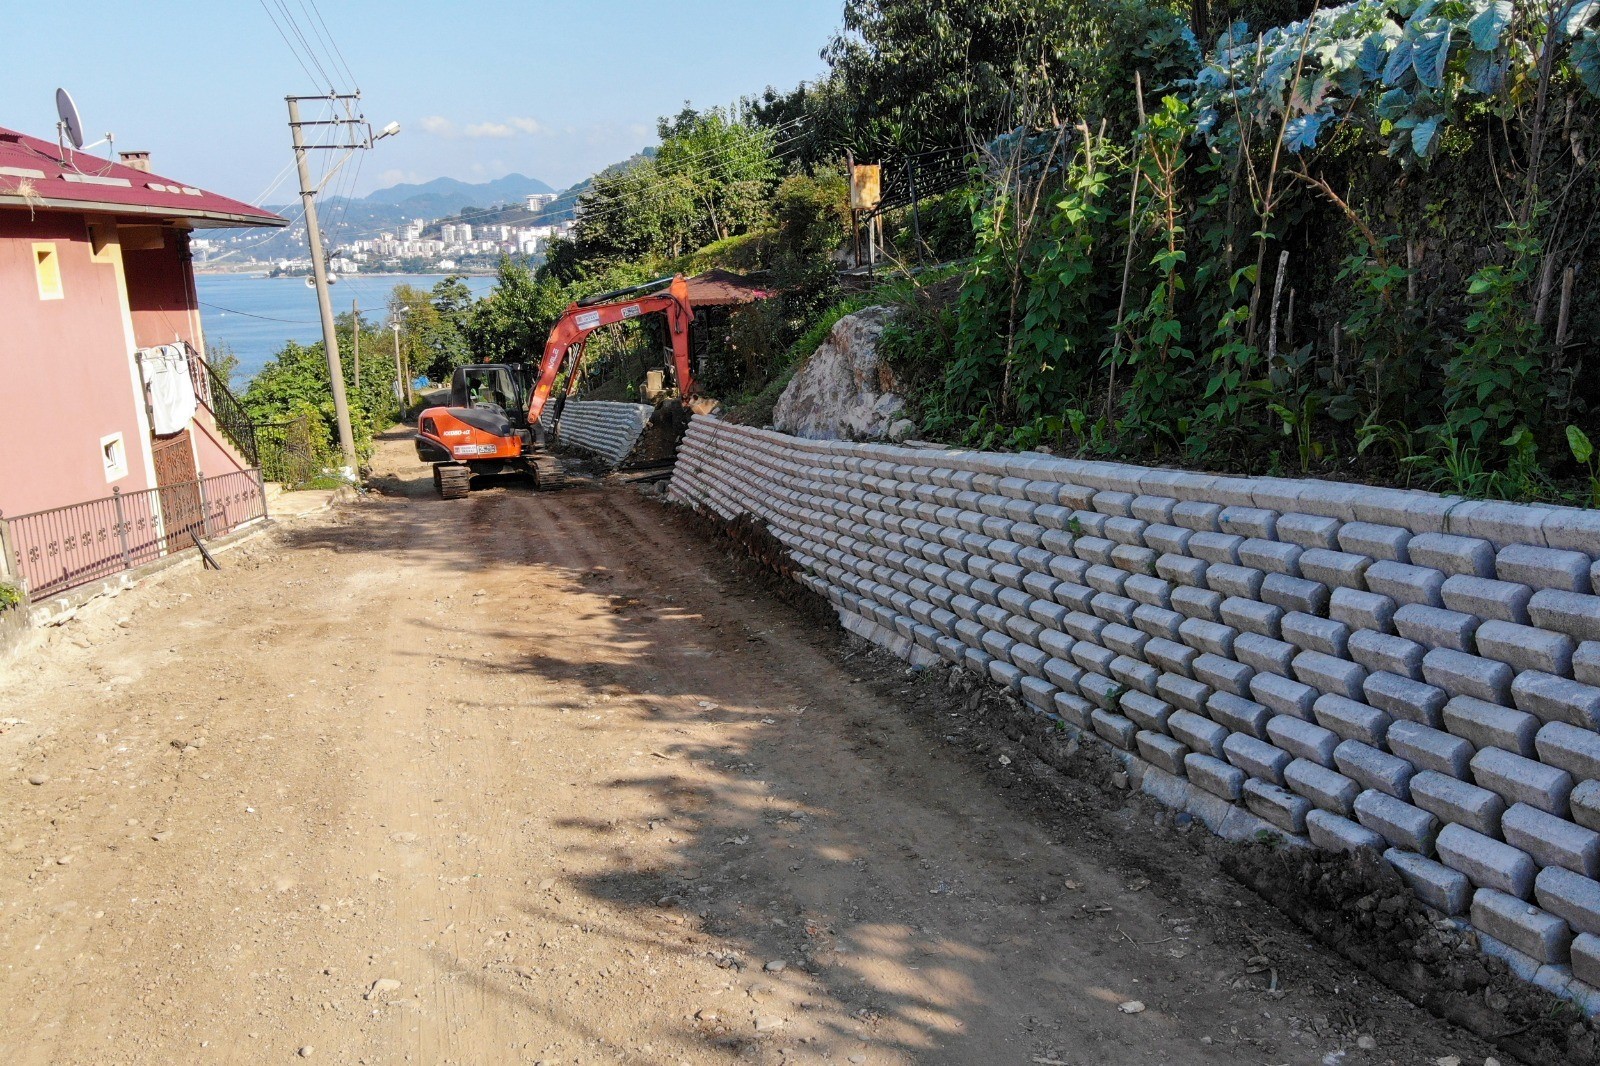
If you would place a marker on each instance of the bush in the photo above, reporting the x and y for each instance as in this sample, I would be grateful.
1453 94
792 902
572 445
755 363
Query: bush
10 596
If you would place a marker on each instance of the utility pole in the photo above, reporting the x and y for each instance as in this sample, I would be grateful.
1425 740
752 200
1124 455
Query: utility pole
356 127
355 337
401 380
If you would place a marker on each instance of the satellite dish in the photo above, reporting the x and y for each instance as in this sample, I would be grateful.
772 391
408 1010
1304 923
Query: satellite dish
71 123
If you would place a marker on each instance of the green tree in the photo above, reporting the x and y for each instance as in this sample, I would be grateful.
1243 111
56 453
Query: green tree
511 323
432 326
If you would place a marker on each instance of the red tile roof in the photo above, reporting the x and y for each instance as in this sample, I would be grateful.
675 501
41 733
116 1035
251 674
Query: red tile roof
36 174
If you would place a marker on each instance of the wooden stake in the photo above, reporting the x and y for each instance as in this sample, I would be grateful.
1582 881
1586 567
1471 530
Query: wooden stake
1272 315
1127 259
1564 314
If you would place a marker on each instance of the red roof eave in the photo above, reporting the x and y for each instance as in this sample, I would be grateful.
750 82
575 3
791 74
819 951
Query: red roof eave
38 175
221 218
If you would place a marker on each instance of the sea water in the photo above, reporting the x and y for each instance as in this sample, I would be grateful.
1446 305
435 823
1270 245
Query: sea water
256 316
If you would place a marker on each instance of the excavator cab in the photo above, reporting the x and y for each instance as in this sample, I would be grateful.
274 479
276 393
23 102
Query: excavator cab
500 385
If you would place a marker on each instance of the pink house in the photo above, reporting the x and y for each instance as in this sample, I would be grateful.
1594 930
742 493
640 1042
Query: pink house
94 270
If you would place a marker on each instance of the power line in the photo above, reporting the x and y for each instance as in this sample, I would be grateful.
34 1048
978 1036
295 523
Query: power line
261 197
292 50
656 190
327 35
652 193
660 185
310 52
264 318
683 165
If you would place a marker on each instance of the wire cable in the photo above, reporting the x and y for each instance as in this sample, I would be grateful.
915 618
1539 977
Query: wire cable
681 165
292 50
310 52
264 318
271 188
658 186
328 36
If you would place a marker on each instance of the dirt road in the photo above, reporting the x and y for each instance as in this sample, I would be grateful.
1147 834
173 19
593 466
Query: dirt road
549 779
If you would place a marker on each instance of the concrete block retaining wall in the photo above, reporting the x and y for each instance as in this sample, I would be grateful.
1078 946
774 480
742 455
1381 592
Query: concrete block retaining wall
1346 666
607 429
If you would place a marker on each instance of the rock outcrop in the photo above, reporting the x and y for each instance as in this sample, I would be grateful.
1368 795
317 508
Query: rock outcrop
844 392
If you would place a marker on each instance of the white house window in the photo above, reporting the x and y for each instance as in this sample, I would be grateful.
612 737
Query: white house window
115 457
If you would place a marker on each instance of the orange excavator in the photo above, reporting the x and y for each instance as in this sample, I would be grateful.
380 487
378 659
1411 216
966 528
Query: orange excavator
494 422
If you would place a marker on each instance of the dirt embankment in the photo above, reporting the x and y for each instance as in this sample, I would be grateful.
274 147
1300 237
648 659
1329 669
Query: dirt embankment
548 778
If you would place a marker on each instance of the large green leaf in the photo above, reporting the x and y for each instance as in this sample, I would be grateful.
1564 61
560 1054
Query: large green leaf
1399 64
1578 441
1431 52
1585 58
1486 72
1578 16
1489 25
1424 135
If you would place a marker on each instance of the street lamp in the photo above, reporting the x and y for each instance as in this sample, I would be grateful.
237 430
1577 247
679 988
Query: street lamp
402 384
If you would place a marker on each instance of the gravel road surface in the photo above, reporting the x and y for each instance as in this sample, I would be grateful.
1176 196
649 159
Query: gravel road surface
549 778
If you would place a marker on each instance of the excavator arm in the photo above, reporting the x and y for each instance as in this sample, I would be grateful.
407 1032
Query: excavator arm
579 320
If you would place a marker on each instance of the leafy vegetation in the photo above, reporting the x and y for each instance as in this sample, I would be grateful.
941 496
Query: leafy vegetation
1343 245
1258 235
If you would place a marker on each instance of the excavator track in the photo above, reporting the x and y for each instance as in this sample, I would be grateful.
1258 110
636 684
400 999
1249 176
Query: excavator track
548 473
453 480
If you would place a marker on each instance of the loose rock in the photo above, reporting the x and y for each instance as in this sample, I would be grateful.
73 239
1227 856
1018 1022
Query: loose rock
382 986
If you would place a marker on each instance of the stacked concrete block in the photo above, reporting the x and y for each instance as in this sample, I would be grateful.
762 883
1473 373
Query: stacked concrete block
1349 667
603 428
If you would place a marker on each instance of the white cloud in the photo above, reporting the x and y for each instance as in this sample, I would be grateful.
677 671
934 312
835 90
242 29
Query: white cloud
437 125
511 127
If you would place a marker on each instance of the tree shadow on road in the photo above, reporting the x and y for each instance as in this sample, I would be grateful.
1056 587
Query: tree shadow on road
794 817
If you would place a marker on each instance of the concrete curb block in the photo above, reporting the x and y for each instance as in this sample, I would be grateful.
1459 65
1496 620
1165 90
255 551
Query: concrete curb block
602 427
1241 632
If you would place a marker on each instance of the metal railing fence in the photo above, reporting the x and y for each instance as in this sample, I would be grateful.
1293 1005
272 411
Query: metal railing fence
61 548
226 410
288 451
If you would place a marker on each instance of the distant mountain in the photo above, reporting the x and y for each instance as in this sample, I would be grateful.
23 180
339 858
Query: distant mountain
442 196
389 209
502 200
562 209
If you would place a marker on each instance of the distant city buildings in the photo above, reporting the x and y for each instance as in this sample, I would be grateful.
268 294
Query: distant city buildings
445 248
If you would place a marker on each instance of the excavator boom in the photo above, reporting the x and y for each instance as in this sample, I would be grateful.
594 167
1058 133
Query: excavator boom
581 319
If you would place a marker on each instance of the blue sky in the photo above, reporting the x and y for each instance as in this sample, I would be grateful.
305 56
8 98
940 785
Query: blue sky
554 90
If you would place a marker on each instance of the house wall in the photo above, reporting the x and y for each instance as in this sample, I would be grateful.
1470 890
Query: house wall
68 364
213 453
160 298
165 309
